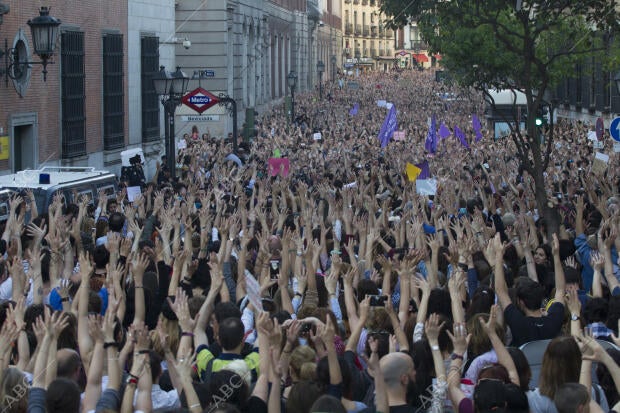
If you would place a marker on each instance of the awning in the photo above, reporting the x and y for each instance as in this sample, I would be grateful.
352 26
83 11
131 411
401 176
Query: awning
437 56
386 58
420 57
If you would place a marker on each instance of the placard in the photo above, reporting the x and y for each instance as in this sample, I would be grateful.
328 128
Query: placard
426 186
252 289
279 166
133 192
599 166
399 135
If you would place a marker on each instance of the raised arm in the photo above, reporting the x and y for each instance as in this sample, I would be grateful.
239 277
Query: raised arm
560 280
95 370
495 252
503 356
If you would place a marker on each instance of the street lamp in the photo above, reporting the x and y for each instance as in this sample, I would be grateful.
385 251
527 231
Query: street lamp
333 62
617 81
320 67
292 80
45 30
171 87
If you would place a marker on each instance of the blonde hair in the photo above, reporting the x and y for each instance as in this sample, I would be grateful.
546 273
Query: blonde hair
171 328
14 391
303 363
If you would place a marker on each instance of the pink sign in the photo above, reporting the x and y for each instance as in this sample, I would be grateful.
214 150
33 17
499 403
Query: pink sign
399 135
279 166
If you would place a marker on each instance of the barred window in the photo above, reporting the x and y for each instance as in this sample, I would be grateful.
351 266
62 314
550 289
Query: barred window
73 94
150 101
113 92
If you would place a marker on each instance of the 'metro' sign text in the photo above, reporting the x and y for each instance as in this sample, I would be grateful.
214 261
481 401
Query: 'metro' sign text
200 100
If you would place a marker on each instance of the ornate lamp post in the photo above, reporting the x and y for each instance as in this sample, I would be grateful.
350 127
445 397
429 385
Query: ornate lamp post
171 87
292 82
320 68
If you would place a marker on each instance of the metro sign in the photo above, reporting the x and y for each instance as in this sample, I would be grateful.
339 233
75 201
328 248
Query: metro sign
200 100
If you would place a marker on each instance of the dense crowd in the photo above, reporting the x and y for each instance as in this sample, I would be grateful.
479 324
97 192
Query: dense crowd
329 285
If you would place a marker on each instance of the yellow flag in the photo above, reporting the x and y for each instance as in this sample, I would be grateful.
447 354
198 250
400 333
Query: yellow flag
412 172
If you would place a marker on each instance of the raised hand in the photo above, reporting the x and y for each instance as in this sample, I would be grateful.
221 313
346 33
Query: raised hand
460 338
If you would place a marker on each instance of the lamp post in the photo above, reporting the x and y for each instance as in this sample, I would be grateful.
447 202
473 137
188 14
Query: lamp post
171 87
292 81
332 60
617 81
231 105
45 30
320 68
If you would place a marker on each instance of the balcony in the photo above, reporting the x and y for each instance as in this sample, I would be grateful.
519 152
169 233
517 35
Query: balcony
373 31
366 30
389 33
419 45
373 53
348 28
358 29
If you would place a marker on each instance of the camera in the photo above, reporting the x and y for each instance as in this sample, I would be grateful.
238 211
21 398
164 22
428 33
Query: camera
377 300
135 160
187 43
306 327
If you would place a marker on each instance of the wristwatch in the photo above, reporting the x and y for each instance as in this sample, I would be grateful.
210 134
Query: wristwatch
574 317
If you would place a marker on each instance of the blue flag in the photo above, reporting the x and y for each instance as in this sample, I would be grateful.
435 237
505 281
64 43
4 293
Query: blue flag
444 132
354 109
475 123
431 138
461 136
388 127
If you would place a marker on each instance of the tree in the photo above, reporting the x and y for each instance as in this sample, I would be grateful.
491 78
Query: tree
522 45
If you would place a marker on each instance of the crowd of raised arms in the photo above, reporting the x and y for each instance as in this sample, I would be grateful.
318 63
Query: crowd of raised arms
333 286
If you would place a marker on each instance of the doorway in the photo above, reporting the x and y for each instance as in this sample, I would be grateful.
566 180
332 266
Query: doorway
23 131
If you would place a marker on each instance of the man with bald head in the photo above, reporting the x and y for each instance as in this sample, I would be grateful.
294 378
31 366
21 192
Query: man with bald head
69 366
399 375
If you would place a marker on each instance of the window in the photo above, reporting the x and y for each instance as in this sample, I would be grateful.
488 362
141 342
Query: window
113 92
72 94
150 102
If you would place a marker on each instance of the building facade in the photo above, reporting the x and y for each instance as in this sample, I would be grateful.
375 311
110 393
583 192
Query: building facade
99 99
245 50
368 44
77 117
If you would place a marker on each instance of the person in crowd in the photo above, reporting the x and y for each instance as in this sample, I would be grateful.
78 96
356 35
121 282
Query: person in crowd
325 274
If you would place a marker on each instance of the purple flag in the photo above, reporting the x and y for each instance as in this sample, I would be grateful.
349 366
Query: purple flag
354 109
431 138
425 172
388 127
475 123
444 132
461 137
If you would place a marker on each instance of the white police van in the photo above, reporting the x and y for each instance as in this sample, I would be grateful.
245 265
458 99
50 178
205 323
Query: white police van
46 182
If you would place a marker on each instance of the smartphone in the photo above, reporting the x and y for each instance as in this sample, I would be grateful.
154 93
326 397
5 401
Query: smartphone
306 327
377 300
274 269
